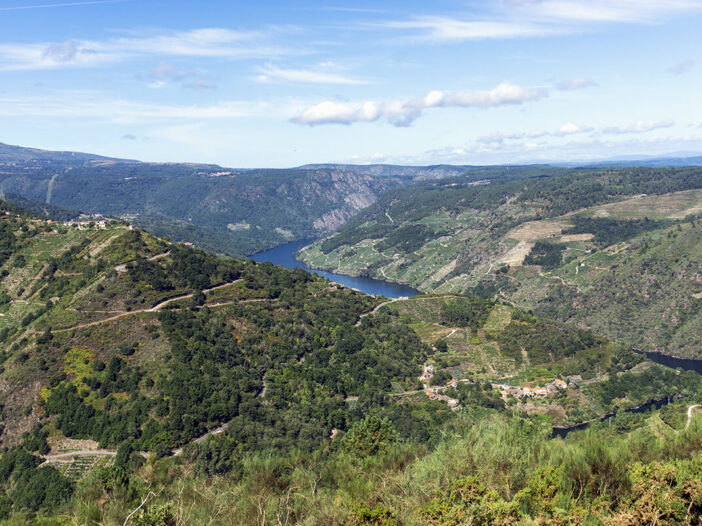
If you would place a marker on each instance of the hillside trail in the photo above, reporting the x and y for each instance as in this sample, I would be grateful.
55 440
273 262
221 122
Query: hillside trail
155 308
123 266
377 308
201 438
84 452
109 453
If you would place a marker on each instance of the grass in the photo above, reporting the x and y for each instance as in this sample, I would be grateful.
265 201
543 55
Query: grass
670 206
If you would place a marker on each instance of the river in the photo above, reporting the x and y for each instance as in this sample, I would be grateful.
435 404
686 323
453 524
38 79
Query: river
688 364
284 255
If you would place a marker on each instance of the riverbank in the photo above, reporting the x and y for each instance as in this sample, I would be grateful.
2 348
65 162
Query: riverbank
687 364
285 255
562 431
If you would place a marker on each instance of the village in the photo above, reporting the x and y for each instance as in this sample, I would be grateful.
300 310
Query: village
516 391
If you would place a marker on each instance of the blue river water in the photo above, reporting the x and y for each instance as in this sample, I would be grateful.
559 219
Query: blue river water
284 255
688 364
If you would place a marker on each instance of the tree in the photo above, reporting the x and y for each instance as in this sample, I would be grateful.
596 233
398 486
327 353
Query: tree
369 437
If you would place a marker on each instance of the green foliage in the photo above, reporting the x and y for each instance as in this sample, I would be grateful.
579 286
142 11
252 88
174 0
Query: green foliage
482 396
468 500
406 239
362 515
236 212
8 241
643 386
163 515
544 341
368 437
467 311
610 231
548 255
185 268
26 485
540 496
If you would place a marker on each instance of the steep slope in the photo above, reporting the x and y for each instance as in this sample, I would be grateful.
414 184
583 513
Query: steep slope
645 291
120 349
158 350
524 239
224 210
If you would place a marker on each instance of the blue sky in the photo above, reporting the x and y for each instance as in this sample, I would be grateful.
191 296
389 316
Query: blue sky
252 84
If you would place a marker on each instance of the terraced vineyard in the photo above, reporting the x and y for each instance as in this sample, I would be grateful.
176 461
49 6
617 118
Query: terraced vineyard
587 248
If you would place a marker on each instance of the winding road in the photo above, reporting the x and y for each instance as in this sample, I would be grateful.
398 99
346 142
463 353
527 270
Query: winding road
58 457
123 266
377 308
155 308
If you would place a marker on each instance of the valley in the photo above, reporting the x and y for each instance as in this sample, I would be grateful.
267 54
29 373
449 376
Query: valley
125 354
350 263
224 210
623 264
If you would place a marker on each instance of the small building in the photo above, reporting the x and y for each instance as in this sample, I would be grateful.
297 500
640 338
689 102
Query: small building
556 385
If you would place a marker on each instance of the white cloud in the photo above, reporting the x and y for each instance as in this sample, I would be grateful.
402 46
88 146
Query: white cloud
164 72
329 112
680 67
499 138
573 84
63 4
306 76
103 106
404 112
627 11
639 127
588 149
571 129
164 69
529 18
63 52
203 43
200 84
448 29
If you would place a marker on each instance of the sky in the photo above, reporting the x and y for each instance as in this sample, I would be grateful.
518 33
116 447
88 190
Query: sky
285 83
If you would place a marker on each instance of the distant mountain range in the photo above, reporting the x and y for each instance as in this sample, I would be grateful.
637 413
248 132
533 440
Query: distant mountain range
226 210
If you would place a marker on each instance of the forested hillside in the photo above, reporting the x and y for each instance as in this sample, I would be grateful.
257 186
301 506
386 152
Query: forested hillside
143 382
224 210
617 249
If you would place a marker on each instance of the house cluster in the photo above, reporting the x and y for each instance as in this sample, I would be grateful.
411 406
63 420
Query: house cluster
434 393
427 374
519 391
83 224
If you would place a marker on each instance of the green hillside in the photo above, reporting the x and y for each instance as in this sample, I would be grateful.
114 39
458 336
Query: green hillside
153 378
614 250
224 210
